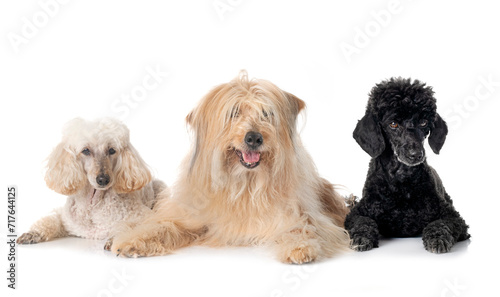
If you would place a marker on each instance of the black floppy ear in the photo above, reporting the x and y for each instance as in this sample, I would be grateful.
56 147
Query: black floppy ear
438 134
369 136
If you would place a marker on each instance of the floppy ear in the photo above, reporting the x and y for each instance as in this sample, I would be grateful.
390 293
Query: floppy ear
132 172
438 134
297 103
64 174
369 136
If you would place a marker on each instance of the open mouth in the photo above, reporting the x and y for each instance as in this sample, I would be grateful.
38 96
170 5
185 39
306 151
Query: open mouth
249 159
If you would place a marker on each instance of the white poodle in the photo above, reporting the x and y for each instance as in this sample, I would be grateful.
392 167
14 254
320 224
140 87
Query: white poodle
105 179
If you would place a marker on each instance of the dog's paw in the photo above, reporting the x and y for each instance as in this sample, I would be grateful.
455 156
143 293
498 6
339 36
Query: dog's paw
438 245
438 239
29 238
129 250
136 248
362 244
300 255
108 244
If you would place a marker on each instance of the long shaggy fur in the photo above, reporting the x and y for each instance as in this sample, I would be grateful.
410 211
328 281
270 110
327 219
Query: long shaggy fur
89 151
403 196
218 200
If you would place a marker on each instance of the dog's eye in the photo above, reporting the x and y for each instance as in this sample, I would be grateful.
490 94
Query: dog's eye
235 113
86 152
393 125
111 151
267 114
423 123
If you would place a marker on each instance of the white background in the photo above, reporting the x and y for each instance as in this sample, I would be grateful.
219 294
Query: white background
82 57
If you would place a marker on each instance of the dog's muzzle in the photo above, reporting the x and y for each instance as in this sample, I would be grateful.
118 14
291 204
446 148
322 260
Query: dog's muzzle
415 156
254 140
103 180
250 158
411 157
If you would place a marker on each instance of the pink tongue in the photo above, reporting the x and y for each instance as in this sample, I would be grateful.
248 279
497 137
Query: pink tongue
251 157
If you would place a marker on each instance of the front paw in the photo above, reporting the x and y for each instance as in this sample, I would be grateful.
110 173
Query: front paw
438 239
299 255
30 238
362 244
132 249
138 247
438 245
108 244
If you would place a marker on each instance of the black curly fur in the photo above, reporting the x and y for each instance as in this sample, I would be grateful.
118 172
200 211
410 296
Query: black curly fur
403 196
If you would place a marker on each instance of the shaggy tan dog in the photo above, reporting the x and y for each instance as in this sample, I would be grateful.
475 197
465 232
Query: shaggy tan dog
105 179
247 181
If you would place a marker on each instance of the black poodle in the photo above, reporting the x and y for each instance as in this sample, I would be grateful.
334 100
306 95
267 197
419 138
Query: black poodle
403 196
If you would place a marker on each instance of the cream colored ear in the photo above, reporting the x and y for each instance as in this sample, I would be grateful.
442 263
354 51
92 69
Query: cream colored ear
132 172
64 173
298 103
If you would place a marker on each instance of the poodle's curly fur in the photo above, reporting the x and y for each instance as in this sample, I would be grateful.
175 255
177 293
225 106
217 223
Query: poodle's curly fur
403 196
105 179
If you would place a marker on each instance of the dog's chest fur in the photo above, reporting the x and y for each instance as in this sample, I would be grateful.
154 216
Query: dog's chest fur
95 217
408 199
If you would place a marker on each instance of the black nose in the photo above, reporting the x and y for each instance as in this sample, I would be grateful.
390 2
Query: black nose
254 139
415 155
102 179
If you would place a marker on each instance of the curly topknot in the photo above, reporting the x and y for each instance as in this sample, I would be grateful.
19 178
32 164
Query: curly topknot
402 97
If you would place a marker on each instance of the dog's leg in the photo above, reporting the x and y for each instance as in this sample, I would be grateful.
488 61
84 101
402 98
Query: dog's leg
440 235
298 246
153 239
363 231
45 229
168 228
128 224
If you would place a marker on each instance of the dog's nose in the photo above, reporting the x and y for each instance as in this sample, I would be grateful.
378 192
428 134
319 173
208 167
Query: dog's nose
254 139
416 155
102 179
